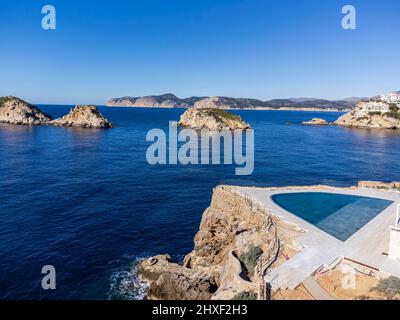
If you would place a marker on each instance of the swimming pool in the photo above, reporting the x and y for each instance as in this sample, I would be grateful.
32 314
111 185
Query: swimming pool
339 215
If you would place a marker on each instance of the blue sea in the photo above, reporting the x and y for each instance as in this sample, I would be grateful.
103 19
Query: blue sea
87 202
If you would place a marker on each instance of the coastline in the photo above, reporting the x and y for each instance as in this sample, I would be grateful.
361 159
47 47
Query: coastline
237 109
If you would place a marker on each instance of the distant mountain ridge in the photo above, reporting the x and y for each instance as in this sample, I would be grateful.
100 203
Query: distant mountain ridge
169 100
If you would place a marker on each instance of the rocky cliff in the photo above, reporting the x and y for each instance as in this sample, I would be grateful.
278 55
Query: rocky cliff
83 116
234 237
212 119
363 117
16 111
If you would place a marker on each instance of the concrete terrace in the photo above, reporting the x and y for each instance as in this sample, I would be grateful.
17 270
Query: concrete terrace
368 246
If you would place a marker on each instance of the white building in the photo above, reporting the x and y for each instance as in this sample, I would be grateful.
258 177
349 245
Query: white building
373 106
392 97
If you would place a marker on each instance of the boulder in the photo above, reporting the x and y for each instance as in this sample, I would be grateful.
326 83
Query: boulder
316 122
212 119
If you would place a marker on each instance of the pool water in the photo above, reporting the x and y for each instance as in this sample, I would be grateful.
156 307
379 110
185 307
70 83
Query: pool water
337 214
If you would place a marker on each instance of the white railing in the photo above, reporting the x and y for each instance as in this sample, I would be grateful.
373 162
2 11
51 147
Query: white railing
397 223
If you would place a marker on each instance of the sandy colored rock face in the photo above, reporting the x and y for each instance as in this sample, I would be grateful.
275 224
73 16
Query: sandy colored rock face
83 116
170 281
368 121
17 111
212 119
229 227
316 122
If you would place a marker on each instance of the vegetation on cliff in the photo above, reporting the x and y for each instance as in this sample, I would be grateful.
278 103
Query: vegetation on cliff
250 259
394 112
245 295
390 287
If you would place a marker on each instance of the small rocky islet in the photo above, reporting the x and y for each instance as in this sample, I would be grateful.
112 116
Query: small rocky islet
85 116
316 122
212 119
19 112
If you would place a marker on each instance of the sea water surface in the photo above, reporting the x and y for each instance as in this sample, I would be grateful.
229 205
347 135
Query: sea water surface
87 202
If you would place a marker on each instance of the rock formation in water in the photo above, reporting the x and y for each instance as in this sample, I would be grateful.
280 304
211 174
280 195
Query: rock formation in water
234 235
316 122
212 119
16 111
83 116
372 114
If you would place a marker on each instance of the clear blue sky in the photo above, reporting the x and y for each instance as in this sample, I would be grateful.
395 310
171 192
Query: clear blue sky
241 48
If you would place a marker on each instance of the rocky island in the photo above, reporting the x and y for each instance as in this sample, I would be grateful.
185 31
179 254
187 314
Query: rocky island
83 116
316 122
212 119
372 114
16 111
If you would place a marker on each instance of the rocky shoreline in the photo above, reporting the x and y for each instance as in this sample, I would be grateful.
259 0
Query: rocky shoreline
19 112
235 235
